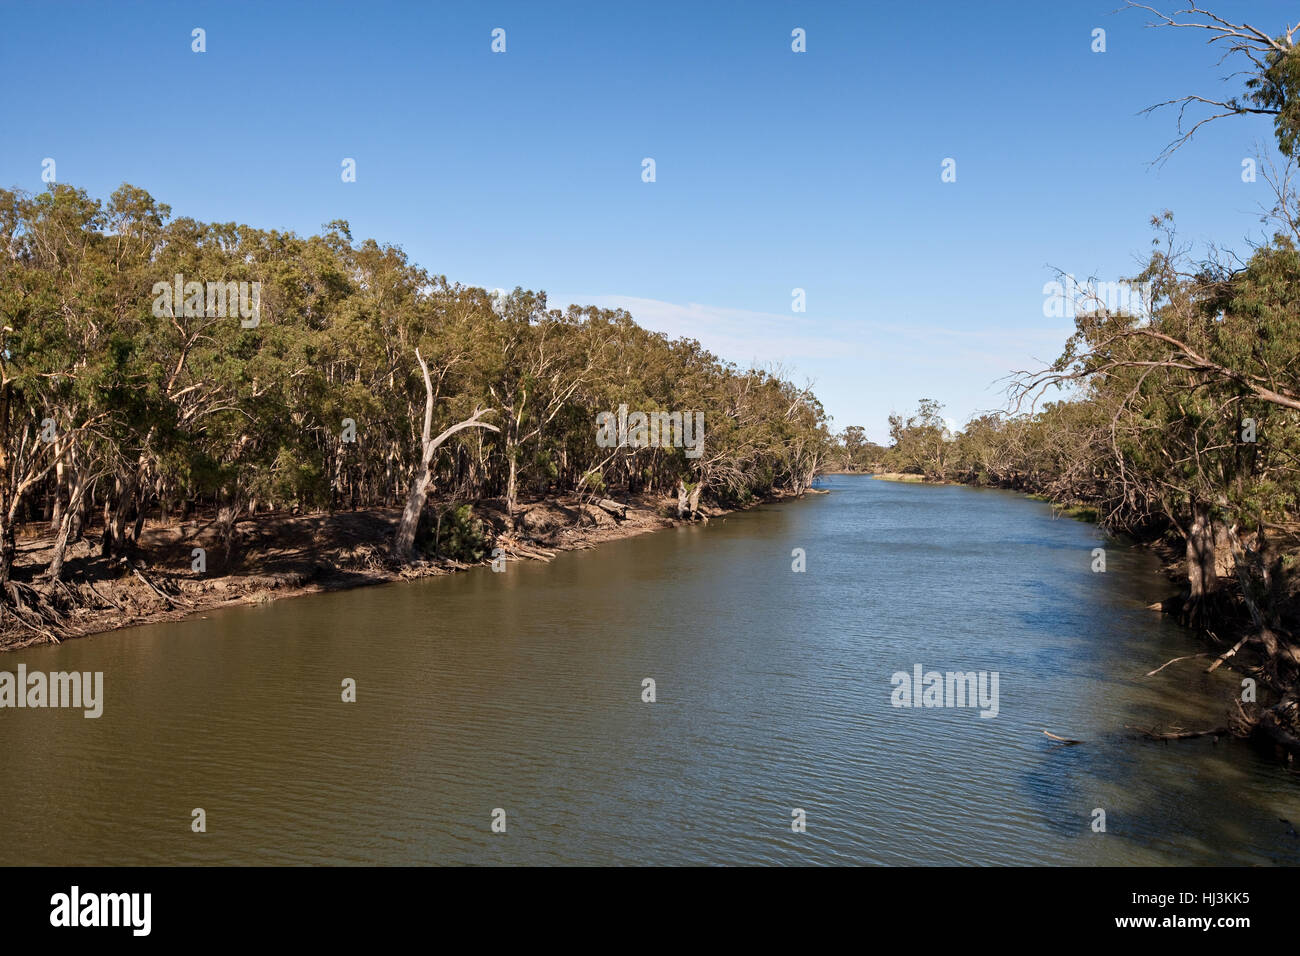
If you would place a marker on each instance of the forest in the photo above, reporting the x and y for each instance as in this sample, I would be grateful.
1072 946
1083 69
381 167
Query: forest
362 381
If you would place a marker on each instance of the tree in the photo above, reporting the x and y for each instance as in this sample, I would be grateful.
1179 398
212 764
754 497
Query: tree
1270 63
404 541
922 442
117 406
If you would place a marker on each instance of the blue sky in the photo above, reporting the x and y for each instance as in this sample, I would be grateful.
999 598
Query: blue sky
774 170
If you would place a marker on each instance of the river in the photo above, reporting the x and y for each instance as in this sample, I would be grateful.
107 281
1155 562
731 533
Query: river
522 691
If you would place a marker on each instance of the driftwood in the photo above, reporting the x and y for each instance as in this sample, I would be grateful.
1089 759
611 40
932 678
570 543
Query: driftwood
171 601
1175 661
1186 734
612 507
17 615
1063 740
514 548
1225 655
104 598
35 640
1270 725
537 554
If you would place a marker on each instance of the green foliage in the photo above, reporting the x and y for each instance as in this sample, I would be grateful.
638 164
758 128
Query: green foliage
157 406
1277 88
297 480
461 537
852 451
921 443
592 482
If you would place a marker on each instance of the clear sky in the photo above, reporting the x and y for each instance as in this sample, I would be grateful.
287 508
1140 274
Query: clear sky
775 170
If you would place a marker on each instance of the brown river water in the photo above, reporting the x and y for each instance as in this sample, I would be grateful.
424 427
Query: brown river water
522 691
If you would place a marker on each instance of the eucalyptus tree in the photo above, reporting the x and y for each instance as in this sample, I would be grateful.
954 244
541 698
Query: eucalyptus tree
132 383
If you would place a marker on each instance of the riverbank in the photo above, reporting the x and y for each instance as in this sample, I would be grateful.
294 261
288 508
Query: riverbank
279 555
885 476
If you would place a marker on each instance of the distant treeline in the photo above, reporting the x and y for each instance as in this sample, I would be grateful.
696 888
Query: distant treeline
1181 419
1182 424
151 366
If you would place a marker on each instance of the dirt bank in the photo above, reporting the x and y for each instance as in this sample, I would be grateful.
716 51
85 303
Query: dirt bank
278 555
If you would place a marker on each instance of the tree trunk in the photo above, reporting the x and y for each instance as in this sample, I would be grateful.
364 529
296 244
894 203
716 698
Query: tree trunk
404 543
404 540
66 528
227 515
512 482
1202 572
106 542
115 534
7 545
60 486
132 497
8 548
141 512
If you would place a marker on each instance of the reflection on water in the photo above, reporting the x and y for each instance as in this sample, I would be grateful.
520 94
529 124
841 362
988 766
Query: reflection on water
522 691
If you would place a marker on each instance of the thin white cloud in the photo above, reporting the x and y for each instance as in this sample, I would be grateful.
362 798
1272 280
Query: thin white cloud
739 334
861 368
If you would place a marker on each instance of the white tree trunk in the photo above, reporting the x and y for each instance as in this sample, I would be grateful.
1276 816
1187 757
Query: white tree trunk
404 540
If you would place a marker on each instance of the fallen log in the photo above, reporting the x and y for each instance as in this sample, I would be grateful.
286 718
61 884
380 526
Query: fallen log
537 554
1225 655
1186 734
612 507
1063 740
